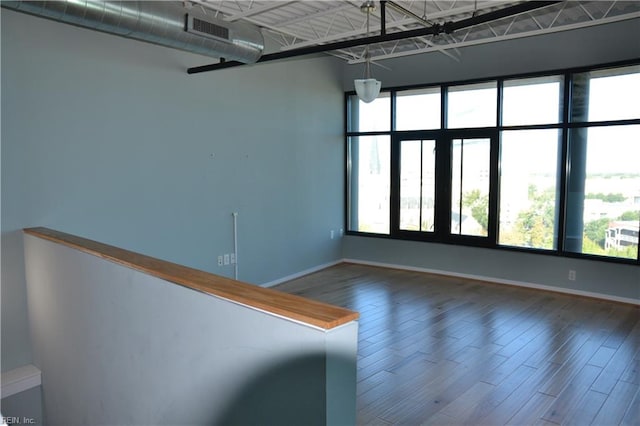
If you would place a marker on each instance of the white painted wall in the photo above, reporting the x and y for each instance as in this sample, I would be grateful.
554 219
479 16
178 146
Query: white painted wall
117 346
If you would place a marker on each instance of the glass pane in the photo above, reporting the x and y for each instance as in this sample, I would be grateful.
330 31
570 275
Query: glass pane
472 105
528 188
372 117
418 109
610 94
417 185
410 182
428 186
369 184
604 194
531 101
470 186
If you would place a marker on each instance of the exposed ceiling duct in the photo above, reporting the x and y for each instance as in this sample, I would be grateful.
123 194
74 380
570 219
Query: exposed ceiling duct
434 29
160 22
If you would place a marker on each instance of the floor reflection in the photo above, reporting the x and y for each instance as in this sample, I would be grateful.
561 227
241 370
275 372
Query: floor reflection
438 350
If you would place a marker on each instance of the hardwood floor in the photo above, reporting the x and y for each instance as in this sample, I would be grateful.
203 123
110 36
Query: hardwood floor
441 350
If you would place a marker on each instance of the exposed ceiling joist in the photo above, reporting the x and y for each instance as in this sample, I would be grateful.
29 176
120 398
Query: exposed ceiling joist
502 38
447 27
337 27
256 11
459 11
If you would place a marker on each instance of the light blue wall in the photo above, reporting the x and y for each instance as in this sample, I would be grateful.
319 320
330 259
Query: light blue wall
595 45
110 139
608 279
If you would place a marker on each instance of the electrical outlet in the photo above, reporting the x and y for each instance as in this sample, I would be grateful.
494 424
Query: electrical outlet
226 259
331 233
232 257
219 260
572 275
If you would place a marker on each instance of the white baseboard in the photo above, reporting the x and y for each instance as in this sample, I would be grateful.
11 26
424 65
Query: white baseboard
499 281
20 379
301 273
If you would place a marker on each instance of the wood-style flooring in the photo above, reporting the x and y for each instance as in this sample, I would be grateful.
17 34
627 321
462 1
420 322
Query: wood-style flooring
442 350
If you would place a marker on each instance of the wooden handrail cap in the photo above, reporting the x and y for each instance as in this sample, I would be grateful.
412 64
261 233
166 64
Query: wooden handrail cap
289 306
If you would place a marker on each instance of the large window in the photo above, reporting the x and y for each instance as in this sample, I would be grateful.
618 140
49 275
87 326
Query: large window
603 202
417 185
528 101
369 184
545 163
529 160
610 193
470 163
418 109
472 105
529 188
370 117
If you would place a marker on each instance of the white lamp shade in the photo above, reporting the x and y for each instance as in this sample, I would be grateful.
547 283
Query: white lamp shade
367 89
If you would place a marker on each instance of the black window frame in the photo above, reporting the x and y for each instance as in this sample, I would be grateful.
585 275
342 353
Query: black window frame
443 136
442 229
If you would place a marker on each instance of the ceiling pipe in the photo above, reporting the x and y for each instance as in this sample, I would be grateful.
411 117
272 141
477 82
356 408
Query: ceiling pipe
383 17
447 27
165 23
407 12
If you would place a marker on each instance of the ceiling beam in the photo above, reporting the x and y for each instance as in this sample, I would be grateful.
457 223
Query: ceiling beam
219 9
272 28
435 29
548 30
314 15
258 10
392 24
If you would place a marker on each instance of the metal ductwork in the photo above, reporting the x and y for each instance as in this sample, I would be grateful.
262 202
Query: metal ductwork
167 23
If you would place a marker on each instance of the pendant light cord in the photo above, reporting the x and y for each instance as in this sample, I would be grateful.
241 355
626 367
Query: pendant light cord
367 66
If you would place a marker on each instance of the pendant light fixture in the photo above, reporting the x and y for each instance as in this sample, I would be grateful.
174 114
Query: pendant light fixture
367 88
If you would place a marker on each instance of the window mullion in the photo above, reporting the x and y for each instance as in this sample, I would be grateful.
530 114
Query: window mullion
421 177
443 197
461 184
563 168
394 200
494 192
